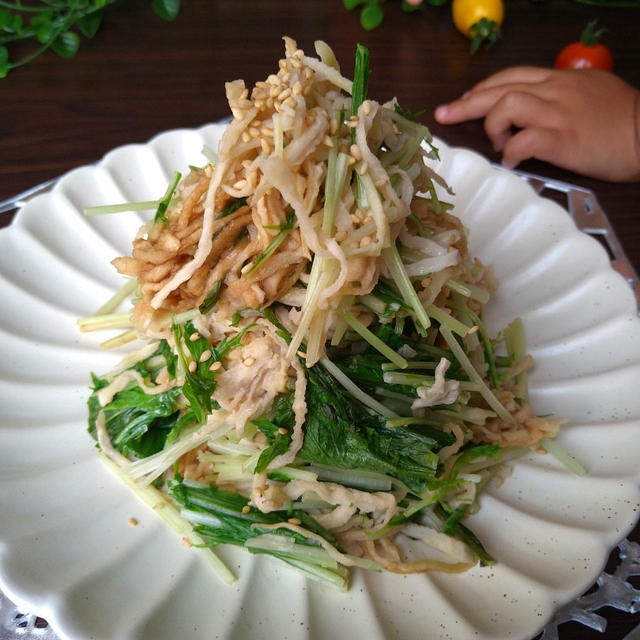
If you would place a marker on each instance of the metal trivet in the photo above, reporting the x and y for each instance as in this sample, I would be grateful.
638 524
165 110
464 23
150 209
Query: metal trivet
15 623
584 208
611 590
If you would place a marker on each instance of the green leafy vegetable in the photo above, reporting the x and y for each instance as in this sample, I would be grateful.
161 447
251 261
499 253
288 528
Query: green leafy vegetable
340 431
361 73
283 230
232 206
166 199
278 431
199 381
137 423
223 517
211 298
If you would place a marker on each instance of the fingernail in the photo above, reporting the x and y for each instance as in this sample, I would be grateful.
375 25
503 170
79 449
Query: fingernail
441 112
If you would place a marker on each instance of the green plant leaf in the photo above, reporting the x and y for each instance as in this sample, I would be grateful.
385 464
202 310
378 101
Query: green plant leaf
352 4
167 9
43 27
4 62
371 16
66 44
14 25
5 18
90 23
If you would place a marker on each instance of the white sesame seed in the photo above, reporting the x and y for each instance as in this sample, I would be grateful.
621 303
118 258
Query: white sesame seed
249 362
215 366
192 366
205 355
266 147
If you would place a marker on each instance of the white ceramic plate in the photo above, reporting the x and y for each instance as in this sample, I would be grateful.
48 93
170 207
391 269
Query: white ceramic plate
68 551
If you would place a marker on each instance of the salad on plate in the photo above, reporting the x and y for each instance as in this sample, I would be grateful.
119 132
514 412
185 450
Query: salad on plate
309 374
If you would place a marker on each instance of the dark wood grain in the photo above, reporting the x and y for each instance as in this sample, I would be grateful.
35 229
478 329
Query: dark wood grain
140 76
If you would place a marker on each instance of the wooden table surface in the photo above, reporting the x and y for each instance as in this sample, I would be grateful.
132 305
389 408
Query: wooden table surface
140 76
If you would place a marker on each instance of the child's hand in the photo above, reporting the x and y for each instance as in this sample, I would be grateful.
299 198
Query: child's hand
583 120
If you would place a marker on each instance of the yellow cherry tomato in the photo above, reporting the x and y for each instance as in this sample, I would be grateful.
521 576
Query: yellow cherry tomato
479 20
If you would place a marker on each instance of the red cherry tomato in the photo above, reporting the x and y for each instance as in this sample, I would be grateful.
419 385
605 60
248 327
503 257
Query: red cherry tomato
588 53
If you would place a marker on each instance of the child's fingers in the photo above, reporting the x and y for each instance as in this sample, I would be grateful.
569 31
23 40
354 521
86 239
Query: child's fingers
472 106
535 142
517 109
479 102
513 75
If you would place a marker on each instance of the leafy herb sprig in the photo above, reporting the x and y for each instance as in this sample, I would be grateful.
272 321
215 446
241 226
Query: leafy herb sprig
372 15
56 25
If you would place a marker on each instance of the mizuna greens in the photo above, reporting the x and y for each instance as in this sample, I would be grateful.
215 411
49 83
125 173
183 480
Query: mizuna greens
314 381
